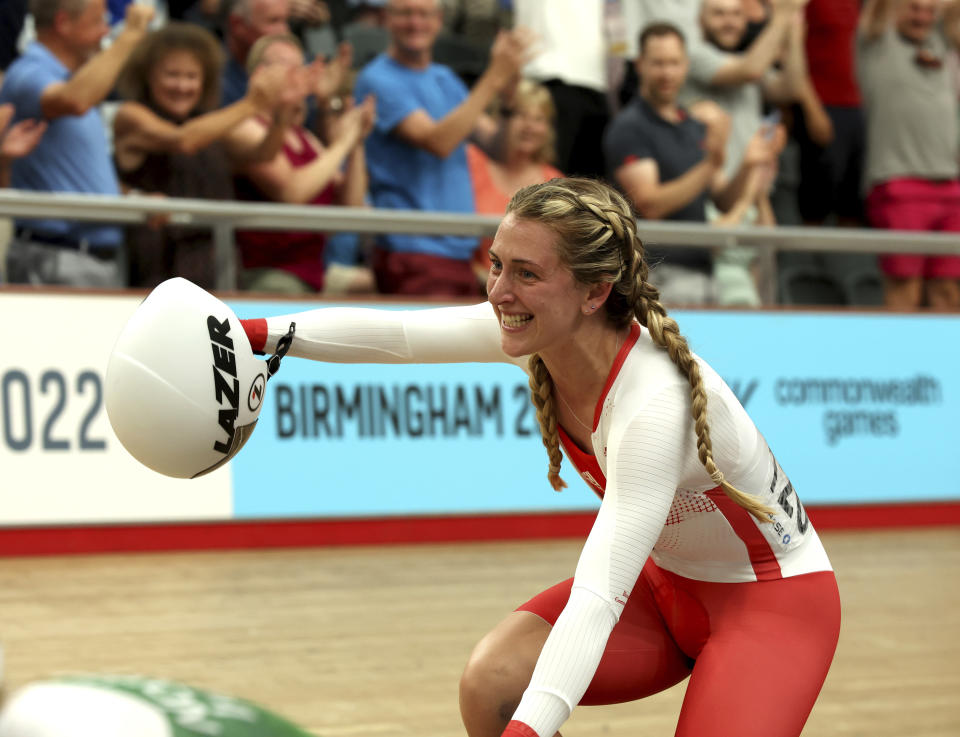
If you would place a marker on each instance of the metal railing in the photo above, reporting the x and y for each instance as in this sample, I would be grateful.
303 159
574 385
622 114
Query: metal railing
224 217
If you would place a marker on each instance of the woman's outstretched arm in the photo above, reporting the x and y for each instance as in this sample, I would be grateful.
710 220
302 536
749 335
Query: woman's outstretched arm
460 334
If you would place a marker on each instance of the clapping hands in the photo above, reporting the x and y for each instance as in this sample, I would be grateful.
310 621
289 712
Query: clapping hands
511 51
331 74
718 125
763 153
356 121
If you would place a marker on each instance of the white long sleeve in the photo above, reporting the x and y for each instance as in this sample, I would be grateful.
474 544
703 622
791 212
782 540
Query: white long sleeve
646 461
361 335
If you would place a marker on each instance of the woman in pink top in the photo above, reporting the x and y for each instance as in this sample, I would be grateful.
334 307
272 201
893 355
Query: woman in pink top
529 149
303 172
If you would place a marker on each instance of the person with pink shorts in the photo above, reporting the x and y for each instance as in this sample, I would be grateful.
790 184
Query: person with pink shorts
912 169
701 563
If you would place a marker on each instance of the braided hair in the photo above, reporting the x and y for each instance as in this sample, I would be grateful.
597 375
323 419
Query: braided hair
597 240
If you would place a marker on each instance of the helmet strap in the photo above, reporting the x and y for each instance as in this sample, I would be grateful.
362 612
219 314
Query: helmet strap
283 345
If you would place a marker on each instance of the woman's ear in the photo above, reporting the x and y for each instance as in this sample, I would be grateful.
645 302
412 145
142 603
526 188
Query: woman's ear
596 296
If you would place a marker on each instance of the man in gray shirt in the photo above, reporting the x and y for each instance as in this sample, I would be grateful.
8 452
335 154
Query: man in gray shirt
911 171
739 82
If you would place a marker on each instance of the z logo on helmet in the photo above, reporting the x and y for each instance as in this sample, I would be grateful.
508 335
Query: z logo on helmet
255 397
225 383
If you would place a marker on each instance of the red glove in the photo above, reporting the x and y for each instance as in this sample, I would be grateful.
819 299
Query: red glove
256 331
518 729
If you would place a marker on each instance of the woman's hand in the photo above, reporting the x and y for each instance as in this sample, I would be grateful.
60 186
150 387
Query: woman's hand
267 84
368 115
353 123
329 75
275 86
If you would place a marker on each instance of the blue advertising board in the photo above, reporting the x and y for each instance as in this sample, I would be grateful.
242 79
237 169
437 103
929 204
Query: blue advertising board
858 408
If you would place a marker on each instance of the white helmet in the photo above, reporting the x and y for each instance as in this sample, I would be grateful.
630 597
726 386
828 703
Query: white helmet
183 388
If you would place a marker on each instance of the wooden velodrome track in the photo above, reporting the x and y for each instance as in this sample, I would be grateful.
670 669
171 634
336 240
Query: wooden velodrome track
369 641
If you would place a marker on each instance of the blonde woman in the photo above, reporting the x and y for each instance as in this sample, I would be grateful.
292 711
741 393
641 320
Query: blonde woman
701 563
528 157
303 172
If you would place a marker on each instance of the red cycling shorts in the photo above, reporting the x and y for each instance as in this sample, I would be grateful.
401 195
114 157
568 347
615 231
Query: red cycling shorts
757 653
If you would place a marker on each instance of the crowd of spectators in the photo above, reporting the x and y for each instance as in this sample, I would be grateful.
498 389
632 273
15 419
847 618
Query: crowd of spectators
728 112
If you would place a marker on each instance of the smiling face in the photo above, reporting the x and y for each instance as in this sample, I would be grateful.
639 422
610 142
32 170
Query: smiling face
538 302
176 83
662 67
84 30
915 19
724 22
286 54
414 26
528 132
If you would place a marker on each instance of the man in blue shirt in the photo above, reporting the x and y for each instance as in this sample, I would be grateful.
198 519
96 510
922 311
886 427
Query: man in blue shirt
416 153
61 78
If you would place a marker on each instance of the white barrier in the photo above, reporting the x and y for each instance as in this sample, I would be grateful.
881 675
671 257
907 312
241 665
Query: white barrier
872 424
225 217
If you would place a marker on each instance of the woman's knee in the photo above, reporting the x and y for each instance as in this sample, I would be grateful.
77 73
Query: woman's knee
498 671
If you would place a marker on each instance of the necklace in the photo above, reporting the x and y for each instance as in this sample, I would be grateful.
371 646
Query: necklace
580 422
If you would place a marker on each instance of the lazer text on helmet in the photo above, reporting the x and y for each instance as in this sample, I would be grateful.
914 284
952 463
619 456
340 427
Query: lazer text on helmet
225 382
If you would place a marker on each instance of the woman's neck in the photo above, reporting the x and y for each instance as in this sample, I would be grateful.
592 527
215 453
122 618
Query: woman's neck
580 368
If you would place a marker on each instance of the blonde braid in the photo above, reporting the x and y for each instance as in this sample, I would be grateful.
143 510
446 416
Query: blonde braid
541 392
666 333
621 228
